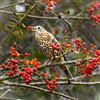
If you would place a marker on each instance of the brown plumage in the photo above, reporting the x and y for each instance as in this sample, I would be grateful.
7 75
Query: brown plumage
43 40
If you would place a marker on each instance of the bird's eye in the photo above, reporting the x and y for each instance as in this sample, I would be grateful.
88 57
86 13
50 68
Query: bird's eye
39 28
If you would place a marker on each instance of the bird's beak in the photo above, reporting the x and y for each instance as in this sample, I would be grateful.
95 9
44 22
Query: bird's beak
31 28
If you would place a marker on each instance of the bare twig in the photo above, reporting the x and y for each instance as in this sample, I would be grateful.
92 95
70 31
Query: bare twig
5 93
67 82
4 87
8 98
44 17
4 7
83 76
84 83
62 63
38 88
7 78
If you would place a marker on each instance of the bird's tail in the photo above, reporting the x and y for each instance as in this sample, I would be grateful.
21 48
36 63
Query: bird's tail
66 71
65 68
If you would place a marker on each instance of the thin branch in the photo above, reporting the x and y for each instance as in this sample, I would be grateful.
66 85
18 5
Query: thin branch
4 7
44 17
66 82
5 93
38 88
84 83
62 63
74 79
83 76
5 87
8 98
7 78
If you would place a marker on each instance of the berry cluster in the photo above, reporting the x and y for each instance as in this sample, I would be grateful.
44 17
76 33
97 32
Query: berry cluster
19 65
13 52
55 46
79 45
90 65
51 85
50 4
34 63
12 66
97 55
67 45
26 75
44 75
92 10
89 68
96 18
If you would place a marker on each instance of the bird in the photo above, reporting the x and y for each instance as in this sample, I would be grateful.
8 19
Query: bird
43 40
